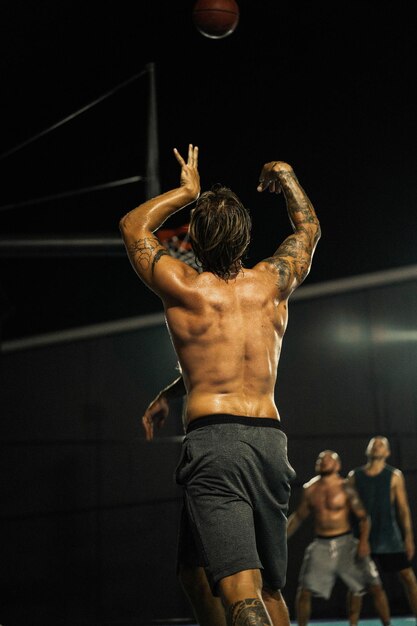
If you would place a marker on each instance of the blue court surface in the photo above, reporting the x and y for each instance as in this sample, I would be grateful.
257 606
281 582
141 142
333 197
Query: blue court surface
395 621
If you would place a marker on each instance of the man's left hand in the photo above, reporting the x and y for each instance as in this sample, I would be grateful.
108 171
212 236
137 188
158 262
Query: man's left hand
155 414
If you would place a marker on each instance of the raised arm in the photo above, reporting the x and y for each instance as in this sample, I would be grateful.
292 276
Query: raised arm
158 409
137 227
404 514
292 260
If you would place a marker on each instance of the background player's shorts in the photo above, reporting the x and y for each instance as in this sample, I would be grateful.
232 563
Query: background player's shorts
235 474
392 561
328 558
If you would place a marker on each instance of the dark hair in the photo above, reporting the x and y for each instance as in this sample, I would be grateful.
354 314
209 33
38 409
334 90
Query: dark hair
220 231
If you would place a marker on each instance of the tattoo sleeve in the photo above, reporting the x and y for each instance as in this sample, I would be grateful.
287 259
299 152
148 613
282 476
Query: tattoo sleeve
284 271
146 252
358 508
300 209
294 255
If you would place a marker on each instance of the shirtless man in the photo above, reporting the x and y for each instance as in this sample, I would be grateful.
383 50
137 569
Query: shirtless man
227 324
335 552
382 489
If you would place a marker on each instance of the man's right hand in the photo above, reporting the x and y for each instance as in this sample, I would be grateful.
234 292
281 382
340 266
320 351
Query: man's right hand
155 414
190 178
269 176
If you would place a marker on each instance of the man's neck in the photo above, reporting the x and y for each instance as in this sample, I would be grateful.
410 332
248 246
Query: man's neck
375 466
236 269
328 479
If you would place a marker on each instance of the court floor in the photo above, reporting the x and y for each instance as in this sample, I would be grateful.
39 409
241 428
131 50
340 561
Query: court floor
395 621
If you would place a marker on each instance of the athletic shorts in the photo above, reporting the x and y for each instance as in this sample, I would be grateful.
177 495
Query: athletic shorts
236 479
391 562
327 558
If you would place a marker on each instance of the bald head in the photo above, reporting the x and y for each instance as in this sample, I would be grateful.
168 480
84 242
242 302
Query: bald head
327 462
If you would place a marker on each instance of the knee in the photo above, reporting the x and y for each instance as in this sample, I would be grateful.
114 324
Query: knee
407 576
244 584
375 590
303 594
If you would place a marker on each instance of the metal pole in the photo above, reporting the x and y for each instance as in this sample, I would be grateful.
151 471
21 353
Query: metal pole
85 108
153 187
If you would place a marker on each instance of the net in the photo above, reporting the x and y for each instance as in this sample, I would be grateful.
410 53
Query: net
177 242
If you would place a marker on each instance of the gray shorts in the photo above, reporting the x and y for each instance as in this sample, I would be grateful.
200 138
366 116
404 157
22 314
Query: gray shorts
326 559
235 476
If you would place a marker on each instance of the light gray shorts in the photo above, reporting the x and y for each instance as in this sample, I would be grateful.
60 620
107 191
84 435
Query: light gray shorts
328 558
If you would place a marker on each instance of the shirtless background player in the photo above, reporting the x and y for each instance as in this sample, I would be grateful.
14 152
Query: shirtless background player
227 325
335 552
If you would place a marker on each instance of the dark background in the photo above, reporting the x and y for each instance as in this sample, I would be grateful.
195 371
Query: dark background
90 511
327 86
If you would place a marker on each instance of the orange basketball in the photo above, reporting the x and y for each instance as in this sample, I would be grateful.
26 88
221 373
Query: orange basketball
216 18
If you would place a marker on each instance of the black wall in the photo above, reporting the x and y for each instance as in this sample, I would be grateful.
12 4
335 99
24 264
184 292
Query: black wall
90 510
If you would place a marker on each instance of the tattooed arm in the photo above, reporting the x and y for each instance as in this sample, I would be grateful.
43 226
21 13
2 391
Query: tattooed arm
364 522
137 227
292 260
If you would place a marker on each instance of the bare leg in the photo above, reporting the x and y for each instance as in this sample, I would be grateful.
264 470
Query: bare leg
276 607
381 605
208 609
354 606
303 606
241 595
408 579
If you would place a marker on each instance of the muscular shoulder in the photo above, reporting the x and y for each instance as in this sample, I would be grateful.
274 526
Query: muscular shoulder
350 478
311 484
172 278
264 270
276 271
397 476
256 286
347 486
355 471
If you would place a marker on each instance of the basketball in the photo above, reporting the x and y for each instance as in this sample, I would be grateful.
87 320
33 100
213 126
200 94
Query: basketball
216 18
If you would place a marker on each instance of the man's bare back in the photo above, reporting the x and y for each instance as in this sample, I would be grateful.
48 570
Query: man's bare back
226 325
238 328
